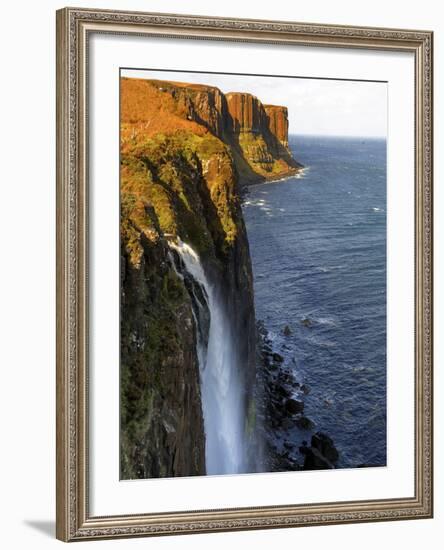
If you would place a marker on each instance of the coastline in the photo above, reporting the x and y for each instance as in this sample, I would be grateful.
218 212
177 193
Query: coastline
308 287
299 173
183 174
281 408
296 173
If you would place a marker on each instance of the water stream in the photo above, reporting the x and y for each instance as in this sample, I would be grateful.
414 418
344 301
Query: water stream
219 365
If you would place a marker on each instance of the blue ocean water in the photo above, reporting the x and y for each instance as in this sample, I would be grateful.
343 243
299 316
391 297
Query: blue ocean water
318 247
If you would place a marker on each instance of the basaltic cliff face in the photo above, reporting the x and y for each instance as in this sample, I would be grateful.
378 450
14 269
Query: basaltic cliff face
186 279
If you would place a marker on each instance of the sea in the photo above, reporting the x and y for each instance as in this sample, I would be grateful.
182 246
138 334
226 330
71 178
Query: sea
318 249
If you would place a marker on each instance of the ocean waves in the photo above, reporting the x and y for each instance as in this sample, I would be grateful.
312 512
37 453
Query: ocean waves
318 248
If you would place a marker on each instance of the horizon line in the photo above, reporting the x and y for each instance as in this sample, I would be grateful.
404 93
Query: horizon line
352 136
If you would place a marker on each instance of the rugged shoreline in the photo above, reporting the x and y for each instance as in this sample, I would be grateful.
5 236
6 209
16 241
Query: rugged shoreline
273 179
184 150
282 413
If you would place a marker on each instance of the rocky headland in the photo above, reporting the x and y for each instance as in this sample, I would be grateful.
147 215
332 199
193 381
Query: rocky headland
186 150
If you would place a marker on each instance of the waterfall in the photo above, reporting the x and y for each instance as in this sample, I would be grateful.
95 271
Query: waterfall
220 369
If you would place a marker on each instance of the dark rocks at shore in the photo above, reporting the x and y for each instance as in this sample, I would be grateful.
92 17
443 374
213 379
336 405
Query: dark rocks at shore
325 445
304 423
293 406
277 357
283 462
283 416
314 460
287 424
321 455
286 331
282 391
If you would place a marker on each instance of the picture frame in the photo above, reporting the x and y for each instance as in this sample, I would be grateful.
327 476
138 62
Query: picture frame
75 29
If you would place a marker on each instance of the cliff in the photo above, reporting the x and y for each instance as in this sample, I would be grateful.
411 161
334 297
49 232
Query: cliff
157 338
185 149
259 138
278 122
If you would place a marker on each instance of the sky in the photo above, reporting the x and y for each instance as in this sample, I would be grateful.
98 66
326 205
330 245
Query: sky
315 106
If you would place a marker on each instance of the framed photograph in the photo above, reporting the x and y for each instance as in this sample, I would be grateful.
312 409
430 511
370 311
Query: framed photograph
244 274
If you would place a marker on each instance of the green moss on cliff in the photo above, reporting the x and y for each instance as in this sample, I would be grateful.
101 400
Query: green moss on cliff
250 423
190 183
182 185
178 179
158 368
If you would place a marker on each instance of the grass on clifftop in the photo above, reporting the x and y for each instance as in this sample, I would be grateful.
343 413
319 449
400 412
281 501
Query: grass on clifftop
188 181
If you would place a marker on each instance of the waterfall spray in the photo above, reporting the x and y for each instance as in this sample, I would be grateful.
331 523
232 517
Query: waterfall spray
220 370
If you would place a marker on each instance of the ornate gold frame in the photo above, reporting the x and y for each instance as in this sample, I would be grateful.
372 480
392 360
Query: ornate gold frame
73 519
